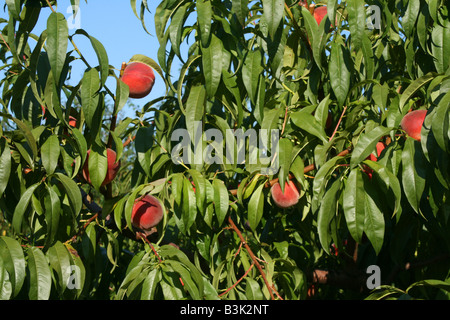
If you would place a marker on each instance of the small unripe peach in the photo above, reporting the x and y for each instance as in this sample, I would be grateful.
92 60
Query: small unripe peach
113 167
140 79
412 123
147 212
285 199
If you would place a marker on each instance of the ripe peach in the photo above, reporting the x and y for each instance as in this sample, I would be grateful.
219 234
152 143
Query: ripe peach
287 199
140 79
412 123
320 13
147 212
113 167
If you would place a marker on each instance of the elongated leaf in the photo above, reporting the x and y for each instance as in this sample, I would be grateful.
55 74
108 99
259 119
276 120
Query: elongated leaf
339 72
256 207
59 259
304 120
72 191
98 165
5 164
52 205
13 262
410 17
90 97
354 204
102 56
356 21
204 16
374 223
366 144
195 110
326 215
189 204
221 200
50 153
143 146
57 43
413 172
412 88
150 284
22 207
440 46
240 9
272 15
40 275
251 70
212 64
200 189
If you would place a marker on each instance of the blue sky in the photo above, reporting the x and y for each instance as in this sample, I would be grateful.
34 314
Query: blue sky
115 25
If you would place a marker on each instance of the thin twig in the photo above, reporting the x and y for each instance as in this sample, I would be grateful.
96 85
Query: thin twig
339 122
252 255
237 282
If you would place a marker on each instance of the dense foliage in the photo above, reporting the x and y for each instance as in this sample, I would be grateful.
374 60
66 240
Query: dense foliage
330 91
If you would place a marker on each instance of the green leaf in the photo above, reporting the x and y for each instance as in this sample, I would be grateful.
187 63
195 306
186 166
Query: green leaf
22 207
354 204
326 214
256 207
204 16
14 8
410 17
415 86
306 121
251 70
102 56
440 46
14 262
50 153
59 260
273 12
356 21
5 164
413 172
5 283
390 181
150 284
40 275
200 189
212 64
195 110
52 205
221 200
320 180
143 146
366 144
374 223
57 43
98 165
72 191
253 290
339 72
90 84
240 9
189 204
285 155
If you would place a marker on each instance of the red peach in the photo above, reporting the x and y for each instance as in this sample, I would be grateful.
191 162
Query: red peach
285 199
412 123
113 167
140 79
147 212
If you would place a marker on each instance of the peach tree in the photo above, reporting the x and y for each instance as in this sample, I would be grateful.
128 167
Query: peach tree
259 95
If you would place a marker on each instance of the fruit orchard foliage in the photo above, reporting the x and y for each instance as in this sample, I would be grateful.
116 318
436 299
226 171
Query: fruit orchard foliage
244 65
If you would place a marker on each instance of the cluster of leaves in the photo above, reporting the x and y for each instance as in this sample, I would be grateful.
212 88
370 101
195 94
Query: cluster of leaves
245 65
